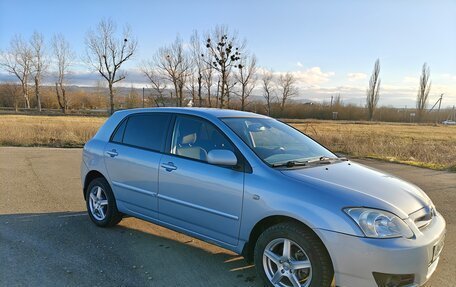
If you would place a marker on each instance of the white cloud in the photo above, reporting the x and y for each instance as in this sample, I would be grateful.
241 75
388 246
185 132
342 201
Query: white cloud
410 80
311 77
352 77
299 64
449 77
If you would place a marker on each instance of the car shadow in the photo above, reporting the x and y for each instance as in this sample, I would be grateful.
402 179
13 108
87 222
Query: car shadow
67 249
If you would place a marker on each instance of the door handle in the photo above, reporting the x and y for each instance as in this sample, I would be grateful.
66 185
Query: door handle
112 153
169 166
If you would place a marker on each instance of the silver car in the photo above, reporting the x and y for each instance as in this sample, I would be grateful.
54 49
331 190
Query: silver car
261 188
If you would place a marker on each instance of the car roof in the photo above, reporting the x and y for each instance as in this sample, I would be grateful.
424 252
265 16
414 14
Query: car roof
203 112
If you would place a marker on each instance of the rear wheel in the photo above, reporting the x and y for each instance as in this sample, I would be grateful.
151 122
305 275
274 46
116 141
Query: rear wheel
101 204
288 255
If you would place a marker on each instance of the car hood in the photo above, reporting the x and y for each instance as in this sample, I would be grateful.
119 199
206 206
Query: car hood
365 185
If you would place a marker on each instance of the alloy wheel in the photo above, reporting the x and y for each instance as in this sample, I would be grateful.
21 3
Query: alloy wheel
286 264
98 203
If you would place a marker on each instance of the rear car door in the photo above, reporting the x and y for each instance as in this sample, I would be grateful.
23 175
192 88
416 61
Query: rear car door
194 195
132 158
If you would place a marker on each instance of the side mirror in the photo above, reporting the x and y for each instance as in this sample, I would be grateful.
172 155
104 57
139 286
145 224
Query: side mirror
222 157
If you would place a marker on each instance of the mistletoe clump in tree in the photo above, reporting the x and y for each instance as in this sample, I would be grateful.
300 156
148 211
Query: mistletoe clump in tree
224 54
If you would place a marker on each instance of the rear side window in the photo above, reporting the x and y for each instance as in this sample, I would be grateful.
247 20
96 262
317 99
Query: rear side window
118 134
146 131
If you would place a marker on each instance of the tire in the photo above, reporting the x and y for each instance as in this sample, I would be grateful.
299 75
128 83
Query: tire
99 196
308 263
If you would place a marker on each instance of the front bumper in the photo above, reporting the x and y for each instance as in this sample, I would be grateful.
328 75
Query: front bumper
356 258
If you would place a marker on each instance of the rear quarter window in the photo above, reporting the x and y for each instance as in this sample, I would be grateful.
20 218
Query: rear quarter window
146 131
117 137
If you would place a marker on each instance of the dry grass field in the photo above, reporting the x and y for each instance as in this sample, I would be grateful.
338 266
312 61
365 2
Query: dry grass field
431 146
51 131
422 145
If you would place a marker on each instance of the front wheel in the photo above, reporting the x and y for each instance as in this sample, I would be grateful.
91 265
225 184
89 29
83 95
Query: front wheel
101 204
288 255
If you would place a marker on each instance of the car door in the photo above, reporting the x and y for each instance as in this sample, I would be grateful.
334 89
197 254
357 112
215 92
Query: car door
194 195
132 159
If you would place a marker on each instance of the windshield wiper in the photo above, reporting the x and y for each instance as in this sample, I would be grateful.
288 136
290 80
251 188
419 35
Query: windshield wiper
290 163
327 160
318 160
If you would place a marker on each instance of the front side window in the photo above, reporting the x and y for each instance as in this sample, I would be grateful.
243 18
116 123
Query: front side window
275 142
195 138
146 131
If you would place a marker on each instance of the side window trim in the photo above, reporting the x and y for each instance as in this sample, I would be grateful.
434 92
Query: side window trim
169 135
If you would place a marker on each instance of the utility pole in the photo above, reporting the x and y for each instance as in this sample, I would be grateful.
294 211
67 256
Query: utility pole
143 97
439 101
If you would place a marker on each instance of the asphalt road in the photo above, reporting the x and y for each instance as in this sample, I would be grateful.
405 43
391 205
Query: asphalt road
46 238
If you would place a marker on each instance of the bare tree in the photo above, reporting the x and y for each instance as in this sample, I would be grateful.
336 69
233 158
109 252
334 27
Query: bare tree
192 83
246 77
132 100
337 101
106 52
208 81
173 62
267 84
198 66
223 53
217 94
101 99
63 56
423 91
373 92
39 64
13 91
229 90
287 86
156 81
17 60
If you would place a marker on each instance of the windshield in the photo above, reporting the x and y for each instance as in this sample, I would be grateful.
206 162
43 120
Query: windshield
275 142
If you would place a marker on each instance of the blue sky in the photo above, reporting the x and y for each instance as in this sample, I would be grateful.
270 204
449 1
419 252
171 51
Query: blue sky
331 46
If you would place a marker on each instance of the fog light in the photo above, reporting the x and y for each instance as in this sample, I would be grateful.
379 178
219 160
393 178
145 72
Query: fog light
394 280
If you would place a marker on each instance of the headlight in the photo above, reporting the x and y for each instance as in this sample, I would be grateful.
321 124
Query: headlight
378 223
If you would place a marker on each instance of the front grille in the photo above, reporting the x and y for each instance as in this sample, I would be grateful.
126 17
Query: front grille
423 217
